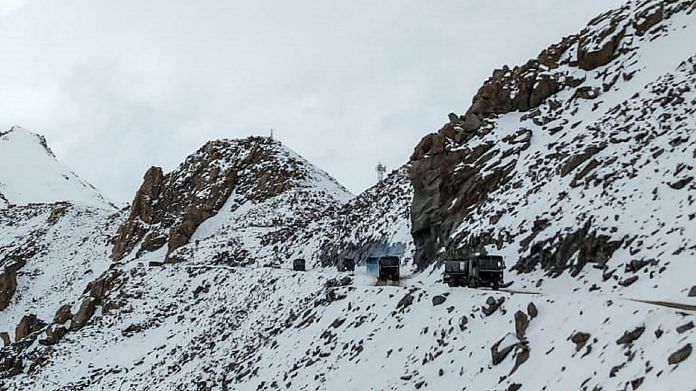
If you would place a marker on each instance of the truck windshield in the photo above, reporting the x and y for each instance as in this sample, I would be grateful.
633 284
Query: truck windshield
389 261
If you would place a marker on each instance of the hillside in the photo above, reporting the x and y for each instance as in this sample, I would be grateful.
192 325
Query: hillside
576 166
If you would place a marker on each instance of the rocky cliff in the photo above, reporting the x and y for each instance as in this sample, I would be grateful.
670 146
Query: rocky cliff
573 157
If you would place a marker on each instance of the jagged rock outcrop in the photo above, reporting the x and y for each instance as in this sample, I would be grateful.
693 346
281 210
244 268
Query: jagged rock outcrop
168 208
546 139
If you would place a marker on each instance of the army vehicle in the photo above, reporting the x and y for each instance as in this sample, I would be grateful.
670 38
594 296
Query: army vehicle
474 271
346 265
388 269
299 265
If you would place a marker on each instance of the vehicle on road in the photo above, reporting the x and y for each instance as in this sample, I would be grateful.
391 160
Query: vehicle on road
346 265
385 268
474 271
299 265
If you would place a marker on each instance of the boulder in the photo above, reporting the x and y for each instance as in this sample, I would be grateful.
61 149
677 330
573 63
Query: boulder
630 336
405 301
532 310
8 285
685 327
580 340
521 324
492 305
5 337
439 299
680 355
63 314
497 354
84 314
53 334
29 324
692 292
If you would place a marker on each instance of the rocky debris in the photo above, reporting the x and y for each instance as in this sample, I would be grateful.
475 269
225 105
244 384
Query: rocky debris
630 336
580 339
680 355
492 305
84 314
63 314
334 283
532 310
628 281
28 325
685 327
521 324
5 337
438 299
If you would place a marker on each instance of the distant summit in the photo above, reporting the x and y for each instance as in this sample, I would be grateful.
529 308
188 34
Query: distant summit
30 173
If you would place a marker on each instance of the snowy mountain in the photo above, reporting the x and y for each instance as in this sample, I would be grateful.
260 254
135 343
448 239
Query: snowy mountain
31 174
576 166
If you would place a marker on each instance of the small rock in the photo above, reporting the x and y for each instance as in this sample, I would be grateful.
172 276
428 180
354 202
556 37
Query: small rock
692 292
658 333
405 301
579 339
521 324
628 281
532 310
680 355
629 337
439 299
685 327
463 321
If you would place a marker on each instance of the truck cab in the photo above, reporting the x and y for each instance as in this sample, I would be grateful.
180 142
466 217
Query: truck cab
299 265
388 268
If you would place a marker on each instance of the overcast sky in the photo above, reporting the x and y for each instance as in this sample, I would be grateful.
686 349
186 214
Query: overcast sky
118 86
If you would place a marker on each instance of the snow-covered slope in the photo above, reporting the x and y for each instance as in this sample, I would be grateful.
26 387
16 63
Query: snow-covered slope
30 173
577 166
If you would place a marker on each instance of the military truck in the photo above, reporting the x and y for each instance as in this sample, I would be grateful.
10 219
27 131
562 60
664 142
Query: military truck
298 265
346 265
474 271
388 268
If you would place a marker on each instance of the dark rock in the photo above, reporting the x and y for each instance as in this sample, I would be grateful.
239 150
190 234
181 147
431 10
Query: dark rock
647 18
532 310
514 387
580 339
685 327
628 281
630 337
405 301
63 314
53 334
692 292
521 324
439 299
5 337
84 314
610 36
29 324
497 354
463 321
680 355
521 357
491 305
8 285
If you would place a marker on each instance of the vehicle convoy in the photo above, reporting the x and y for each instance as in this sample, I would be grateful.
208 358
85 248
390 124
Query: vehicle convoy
299 265
474 271
384 268
346 265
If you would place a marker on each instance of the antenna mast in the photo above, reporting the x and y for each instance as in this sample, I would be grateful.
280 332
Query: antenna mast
381 170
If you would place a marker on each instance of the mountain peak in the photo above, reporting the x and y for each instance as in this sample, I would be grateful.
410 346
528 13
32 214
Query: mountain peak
32 174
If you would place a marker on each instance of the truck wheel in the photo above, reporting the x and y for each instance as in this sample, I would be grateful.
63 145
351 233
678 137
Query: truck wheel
496 286
473 283
451 283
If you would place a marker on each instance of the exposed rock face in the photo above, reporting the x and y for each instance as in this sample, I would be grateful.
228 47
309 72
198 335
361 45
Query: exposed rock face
8 285
168 208
63 314
680 355
28 325
527 152
84 314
